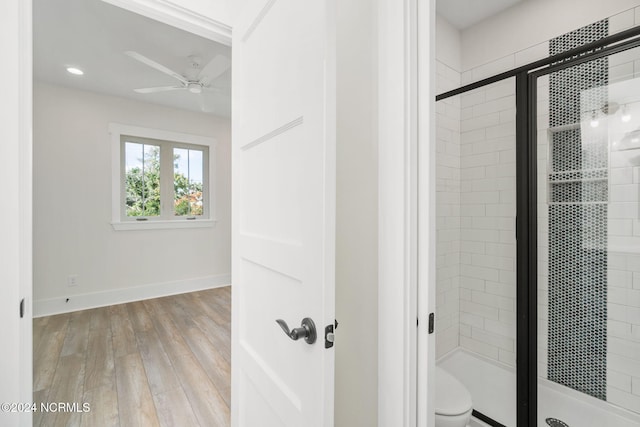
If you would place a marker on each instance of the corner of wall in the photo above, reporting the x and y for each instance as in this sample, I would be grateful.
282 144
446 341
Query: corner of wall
448 44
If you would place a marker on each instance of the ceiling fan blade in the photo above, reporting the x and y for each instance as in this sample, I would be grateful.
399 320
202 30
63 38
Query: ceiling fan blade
158 89
218 65
153 64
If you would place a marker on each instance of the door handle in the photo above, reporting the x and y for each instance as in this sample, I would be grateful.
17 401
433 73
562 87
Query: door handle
307 330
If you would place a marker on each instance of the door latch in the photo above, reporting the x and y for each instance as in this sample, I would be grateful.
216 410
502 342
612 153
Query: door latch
329 334
432 321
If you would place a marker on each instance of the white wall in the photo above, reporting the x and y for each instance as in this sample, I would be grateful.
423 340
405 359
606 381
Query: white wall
529 23
72 205
448 46
397 49
356 382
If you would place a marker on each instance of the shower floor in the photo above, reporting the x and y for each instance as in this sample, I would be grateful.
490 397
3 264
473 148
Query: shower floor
493 391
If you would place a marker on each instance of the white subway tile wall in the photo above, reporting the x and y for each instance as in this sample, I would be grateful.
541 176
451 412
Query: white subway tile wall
487 216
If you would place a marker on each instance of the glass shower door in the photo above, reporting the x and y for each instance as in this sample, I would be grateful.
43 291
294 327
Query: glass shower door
476 246
588 136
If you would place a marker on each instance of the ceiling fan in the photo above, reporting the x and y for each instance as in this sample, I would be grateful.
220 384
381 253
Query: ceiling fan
195 80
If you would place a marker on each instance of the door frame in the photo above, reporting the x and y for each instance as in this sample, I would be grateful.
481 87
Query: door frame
406 191
426 223
19 364
16 332
398 29
172 14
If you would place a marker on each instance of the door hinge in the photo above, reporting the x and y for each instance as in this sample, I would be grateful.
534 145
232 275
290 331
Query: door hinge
432 320
22 308
329 334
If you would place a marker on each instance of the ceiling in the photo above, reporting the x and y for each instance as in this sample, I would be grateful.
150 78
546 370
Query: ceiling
463 14
93 36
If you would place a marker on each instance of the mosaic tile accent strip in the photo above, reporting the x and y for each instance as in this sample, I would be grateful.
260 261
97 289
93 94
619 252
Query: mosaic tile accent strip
578 222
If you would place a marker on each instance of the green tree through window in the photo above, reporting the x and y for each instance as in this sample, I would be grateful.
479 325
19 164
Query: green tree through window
142 186
142 182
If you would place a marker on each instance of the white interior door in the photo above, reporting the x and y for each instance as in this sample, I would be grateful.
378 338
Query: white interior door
283 160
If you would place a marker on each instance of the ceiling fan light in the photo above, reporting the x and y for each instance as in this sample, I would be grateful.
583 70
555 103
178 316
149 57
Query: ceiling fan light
194 88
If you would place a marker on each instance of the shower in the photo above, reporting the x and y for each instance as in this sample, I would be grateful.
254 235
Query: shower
538 228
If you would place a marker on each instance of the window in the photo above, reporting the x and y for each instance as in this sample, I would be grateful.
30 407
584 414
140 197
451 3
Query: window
163 179
188 170
155 188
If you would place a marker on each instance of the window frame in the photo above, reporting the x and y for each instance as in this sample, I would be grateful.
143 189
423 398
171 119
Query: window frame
167 140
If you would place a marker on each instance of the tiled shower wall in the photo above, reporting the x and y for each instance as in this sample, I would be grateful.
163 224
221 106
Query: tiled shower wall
488 210
622 347
577 203
487 221
476 213
623 295
475 196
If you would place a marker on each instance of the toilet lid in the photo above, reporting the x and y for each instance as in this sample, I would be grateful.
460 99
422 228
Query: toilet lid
452 398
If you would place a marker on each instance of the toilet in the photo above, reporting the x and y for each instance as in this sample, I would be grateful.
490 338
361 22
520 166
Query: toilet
453 401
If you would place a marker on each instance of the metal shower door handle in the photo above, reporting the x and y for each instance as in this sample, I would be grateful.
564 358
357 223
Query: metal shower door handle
307 330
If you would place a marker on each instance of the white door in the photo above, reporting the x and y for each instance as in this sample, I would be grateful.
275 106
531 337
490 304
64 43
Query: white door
283 190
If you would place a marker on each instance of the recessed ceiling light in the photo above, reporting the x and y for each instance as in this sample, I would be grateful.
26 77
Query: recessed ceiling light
76 71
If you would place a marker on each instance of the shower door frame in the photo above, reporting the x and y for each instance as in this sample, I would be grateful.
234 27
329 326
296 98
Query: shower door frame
527 199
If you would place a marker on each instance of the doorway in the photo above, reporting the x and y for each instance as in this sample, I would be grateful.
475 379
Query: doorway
87 256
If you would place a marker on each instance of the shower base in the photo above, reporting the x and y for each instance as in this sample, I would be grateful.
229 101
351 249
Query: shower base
493 387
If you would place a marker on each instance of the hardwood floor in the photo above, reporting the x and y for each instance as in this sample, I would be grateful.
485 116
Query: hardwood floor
159 362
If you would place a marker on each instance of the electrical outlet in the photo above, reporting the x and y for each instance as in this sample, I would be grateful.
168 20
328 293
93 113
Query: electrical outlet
72 280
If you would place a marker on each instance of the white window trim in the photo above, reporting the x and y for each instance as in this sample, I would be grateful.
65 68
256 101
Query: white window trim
116 131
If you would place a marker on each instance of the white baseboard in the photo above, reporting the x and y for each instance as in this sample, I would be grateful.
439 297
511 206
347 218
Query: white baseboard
50 306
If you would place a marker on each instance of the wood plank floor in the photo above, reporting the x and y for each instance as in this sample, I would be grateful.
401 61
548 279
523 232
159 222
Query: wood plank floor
159 362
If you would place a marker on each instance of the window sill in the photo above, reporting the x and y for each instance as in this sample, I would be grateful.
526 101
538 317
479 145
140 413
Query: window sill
162 225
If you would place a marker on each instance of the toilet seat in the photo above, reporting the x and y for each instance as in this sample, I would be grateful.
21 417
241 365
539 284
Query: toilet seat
452 398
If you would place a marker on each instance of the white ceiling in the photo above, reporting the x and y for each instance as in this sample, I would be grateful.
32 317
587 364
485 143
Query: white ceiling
93 36
466 13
